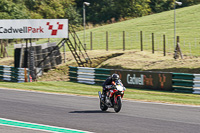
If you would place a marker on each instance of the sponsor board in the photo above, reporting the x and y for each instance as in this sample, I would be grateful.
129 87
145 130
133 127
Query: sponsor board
145 79
33 28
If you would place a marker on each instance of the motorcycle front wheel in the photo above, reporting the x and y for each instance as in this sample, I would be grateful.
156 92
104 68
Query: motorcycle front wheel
103 107
118 105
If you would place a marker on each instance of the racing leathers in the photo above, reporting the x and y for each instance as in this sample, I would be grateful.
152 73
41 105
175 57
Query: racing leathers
108 81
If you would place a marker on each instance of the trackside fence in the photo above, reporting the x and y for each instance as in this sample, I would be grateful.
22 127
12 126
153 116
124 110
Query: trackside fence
188 83
176 82
12 74
88 75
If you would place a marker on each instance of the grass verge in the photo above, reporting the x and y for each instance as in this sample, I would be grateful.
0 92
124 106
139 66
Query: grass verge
91 90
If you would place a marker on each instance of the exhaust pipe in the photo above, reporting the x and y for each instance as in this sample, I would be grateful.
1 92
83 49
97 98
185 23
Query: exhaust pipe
99 94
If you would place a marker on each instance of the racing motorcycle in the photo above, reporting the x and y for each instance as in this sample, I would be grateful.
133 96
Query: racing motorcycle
113 97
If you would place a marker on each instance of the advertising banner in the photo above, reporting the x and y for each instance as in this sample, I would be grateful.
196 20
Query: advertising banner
33 28
145 79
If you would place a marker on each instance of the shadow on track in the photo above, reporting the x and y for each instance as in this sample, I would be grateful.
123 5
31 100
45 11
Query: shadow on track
91 111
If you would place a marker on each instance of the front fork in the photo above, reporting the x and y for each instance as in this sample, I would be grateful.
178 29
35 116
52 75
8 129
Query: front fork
116 96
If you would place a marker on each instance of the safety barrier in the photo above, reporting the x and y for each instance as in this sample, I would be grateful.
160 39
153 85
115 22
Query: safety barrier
130 78
186 83
177 82
88 75
12 74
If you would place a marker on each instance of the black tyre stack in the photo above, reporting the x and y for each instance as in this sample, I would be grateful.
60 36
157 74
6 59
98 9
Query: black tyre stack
17 56
32 62
58 56
38 56
44 56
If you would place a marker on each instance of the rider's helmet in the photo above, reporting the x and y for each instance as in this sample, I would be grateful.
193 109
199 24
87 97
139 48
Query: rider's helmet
115 77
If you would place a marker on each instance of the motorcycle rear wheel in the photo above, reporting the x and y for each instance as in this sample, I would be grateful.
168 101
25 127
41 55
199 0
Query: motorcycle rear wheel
103 107
118 105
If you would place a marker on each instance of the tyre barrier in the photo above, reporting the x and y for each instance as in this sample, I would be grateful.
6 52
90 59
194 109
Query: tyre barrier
175 82
46 55
12 74
88 75
39 56
186 83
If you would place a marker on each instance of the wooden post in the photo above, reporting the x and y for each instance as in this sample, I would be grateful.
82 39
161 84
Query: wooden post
141 40
21 55
4 48
123 40
1 48
106 40
64 51
153 43
90 40
164 50
26 55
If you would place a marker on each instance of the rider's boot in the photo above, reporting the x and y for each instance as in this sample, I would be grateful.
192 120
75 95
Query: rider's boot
103 95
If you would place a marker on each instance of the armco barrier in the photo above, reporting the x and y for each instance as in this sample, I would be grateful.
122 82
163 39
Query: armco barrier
88 75
12 74
186 83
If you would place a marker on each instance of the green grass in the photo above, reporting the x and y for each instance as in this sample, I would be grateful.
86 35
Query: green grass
187 27
91 90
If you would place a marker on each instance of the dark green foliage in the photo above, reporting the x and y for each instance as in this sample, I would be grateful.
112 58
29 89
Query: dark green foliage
161 5
99 11
10 10
73 16
164 5
189 2
111 10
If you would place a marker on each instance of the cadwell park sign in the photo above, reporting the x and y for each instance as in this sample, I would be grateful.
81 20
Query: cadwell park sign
33 28
145 79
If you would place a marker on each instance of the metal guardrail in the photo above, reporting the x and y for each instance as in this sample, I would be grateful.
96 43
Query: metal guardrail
12 74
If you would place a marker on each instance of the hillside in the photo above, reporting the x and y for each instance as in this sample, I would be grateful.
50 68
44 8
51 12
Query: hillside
133 60
187 27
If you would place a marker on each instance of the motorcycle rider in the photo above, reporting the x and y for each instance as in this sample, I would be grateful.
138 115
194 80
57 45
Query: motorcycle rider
108 81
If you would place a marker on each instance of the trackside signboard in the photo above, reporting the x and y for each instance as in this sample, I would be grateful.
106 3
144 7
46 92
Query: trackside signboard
146 79
33 28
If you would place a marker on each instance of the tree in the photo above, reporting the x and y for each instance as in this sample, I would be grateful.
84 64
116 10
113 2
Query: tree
10 10
73 16
139 8
189 2
49 8
104 10
161 5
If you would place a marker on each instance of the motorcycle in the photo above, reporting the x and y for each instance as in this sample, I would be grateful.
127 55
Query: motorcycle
113 97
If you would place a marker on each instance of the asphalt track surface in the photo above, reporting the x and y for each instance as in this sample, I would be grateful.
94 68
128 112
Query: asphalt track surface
83 113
